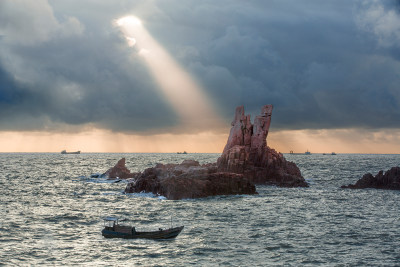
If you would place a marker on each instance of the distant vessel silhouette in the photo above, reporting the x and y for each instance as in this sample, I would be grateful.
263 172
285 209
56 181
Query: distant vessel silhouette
307 152
75 152
184 152
333 153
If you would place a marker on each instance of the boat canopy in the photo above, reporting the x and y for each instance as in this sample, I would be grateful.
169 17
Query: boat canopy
110 219
113 219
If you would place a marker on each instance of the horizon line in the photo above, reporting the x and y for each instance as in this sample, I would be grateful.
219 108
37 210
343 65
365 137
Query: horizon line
180 153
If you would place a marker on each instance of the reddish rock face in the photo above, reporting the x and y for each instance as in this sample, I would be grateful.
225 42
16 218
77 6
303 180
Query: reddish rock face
189 180
388 180
247 153
240 134
119 170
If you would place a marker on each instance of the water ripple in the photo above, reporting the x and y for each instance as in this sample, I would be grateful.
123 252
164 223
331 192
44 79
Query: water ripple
51 215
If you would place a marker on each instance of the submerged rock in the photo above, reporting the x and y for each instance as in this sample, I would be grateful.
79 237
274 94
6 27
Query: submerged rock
189 180
388 180
247 153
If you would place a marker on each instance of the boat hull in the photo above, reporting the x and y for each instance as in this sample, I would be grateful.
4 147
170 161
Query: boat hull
162 234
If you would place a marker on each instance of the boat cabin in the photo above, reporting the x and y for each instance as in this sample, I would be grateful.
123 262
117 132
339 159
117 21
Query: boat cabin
112 224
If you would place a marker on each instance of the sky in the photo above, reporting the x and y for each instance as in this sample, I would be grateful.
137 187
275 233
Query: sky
167 75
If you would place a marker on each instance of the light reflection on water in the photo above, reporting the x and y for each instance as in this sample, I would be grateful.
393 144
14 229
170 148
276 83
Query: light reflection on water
50 215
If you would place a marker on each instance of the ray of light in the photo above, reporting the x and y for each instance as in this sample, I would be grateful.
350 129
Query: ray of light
182 92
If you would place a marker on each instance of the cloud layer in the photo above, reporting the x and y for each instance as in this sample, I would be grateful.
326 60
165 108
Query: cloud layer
64 65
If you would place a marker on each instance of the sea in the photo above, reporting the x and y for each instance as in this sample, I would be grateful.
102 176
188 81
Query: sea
52 215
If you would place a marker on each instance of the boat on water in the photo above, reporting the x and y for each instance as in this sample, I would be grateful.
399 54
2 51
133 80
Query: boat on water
184 152
75 152
333 153
307 152
112 229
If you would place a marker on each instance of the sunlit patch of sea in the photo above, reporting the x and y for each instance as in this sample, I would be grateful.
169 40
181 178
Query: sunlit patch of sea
51 214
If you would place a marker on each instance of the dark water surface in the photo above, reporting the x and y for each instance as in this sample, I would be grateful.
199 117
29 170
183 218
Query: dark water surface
51 215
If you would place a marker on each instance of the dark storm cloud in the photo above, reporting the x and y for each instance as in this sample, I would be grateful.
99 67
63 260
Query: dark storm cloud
74 75
323 64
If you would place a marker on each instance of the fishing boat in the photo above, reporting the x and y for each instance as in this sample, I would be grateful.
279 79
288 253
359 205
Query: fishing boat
307 152
112 229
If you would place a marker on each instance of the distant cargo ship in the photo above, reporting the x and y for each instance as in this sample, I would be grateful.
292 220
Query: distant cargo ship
75 152
333 153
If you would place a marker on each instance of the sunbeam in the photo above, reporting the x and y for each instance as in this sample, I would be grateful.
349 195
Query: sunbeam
182 92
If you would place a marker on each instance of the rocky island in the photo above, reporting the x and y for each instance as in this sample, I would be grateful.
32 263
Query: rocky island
247 153
245 162
388 180
119 171
189 180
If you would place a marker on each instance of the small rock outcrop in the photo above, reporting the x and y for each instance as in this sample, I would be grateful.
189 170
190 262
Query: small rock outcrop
189 180
118 171
247 153
388 180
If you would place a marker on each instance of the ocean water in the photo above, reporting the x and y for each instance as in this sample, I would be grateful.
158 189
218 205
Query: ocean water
51 214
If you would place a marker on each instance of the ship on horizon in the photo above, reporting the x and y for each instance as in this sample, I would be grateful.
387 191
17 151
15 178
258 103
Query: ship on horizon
75 152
